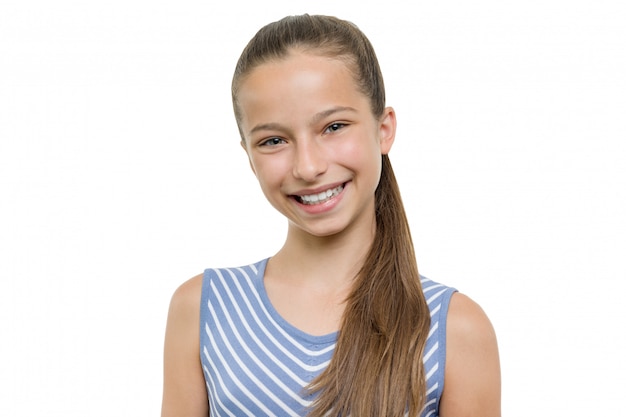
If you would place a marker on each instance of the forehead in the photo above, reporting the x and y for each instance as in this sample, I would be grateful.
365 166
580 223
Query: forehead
302 61
299 81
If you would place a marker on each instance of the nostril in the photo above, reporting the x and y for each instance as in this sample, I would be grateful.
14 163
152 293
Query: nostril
309 163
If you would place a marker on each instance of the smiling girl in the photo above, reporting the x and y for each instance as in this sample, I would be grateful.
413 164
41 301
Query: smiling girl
338 322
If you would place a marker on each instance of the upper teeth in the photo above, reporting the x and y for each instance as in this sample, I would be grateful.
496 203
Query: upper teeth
321 197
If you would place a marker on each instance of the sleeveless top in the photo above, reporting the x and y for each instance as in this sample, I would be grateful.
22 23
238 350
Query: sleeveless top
257 364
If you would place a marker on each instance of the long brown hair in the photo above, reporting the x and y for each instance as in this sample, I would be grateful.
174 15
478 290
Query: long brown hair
377 368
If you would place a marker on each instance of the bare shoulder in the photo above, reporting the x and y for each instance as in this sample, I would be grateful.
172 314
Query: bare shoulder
184 390
186 299
468 322
472 373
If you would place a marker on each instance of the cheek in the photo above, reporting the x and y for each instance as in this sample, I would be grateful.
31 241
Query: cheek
269 171
364 153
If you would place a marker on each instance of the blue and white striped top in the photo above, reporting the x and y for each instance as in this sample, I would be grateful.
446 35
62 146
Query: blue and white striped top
256 364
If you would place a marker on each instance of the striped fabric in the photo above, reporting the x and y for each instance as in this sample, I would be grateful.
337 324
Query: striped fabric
257 364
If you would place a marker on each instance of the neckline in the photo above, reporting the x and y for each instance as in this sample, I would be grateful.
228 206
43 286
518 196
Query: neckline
282 322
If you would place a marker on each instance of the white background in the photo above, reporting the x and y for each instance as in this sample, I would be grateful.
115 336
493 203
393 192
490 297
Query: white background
121 176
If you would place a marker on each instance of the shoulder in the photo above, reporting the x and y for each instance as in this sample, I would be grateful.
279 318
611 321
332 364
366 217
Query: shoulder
468 321
183 317
184 392
186 298
436 293
472 371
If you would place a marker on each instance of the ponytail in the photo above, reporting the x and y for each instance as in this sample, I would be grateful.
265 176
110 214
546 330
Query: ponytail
377 367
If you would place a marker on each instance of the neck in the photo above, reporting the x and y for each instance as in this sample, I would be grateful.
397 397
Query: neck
328 260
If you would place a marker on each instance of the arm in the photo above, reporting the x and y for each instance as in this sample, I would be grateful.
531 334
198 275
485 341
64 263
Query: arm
472 374
184 389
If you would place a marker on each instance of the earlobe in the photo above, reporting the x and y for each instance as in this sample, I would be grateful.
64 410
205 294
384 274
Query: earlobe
387 128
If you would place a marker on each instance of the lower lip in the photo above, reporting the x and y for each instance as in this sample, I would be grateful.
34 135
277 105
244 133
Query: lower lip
324 207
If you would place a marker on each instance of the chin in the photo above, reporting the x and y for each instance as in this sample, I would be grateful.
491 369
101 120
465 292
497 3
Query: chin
321 231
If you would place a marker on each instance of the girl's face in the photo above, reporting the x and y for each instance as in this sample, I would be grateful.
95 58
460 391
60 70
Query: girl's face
313 142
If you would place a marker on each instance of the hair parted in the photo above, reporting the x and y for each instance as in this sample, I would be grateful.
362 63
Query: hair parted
377 367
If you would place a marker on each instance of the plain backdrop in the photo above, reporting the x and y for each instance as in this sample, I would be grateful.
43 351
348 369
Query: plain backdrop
121 176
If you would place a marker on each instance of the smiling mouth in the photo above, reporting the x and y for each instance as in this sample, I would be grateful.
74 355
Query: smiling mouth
319 198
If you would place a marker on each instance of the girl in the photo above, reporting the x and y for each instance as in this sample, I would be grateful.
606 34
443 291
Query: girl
338 322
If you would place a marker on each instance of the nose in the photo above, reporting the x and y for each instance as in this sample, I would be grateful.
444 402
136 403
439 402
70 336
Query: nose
309 161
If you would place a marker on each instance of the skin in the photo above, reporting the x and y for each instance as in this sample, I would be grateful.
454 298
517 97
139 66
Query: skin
298 147
472 375
184 389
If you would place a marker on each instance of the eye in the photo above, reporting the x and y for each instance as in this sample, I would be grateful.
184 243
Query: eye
272 142
333 127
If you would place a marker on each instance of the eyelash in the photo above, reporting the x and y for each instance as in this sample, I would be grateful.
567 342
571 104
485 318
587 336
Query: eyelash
333 127
272 141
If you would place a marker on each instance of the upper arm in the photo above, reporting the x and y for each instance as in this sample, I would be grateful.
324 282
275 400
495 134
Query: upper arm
472 371
184 389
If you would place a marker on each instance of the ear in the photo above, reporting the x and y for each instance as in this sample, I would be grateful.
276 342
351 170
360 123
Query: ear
245 148
387 130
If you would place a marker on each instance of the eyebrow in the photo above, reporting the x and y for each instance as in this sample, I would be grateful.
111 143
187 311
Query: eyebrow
315 119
